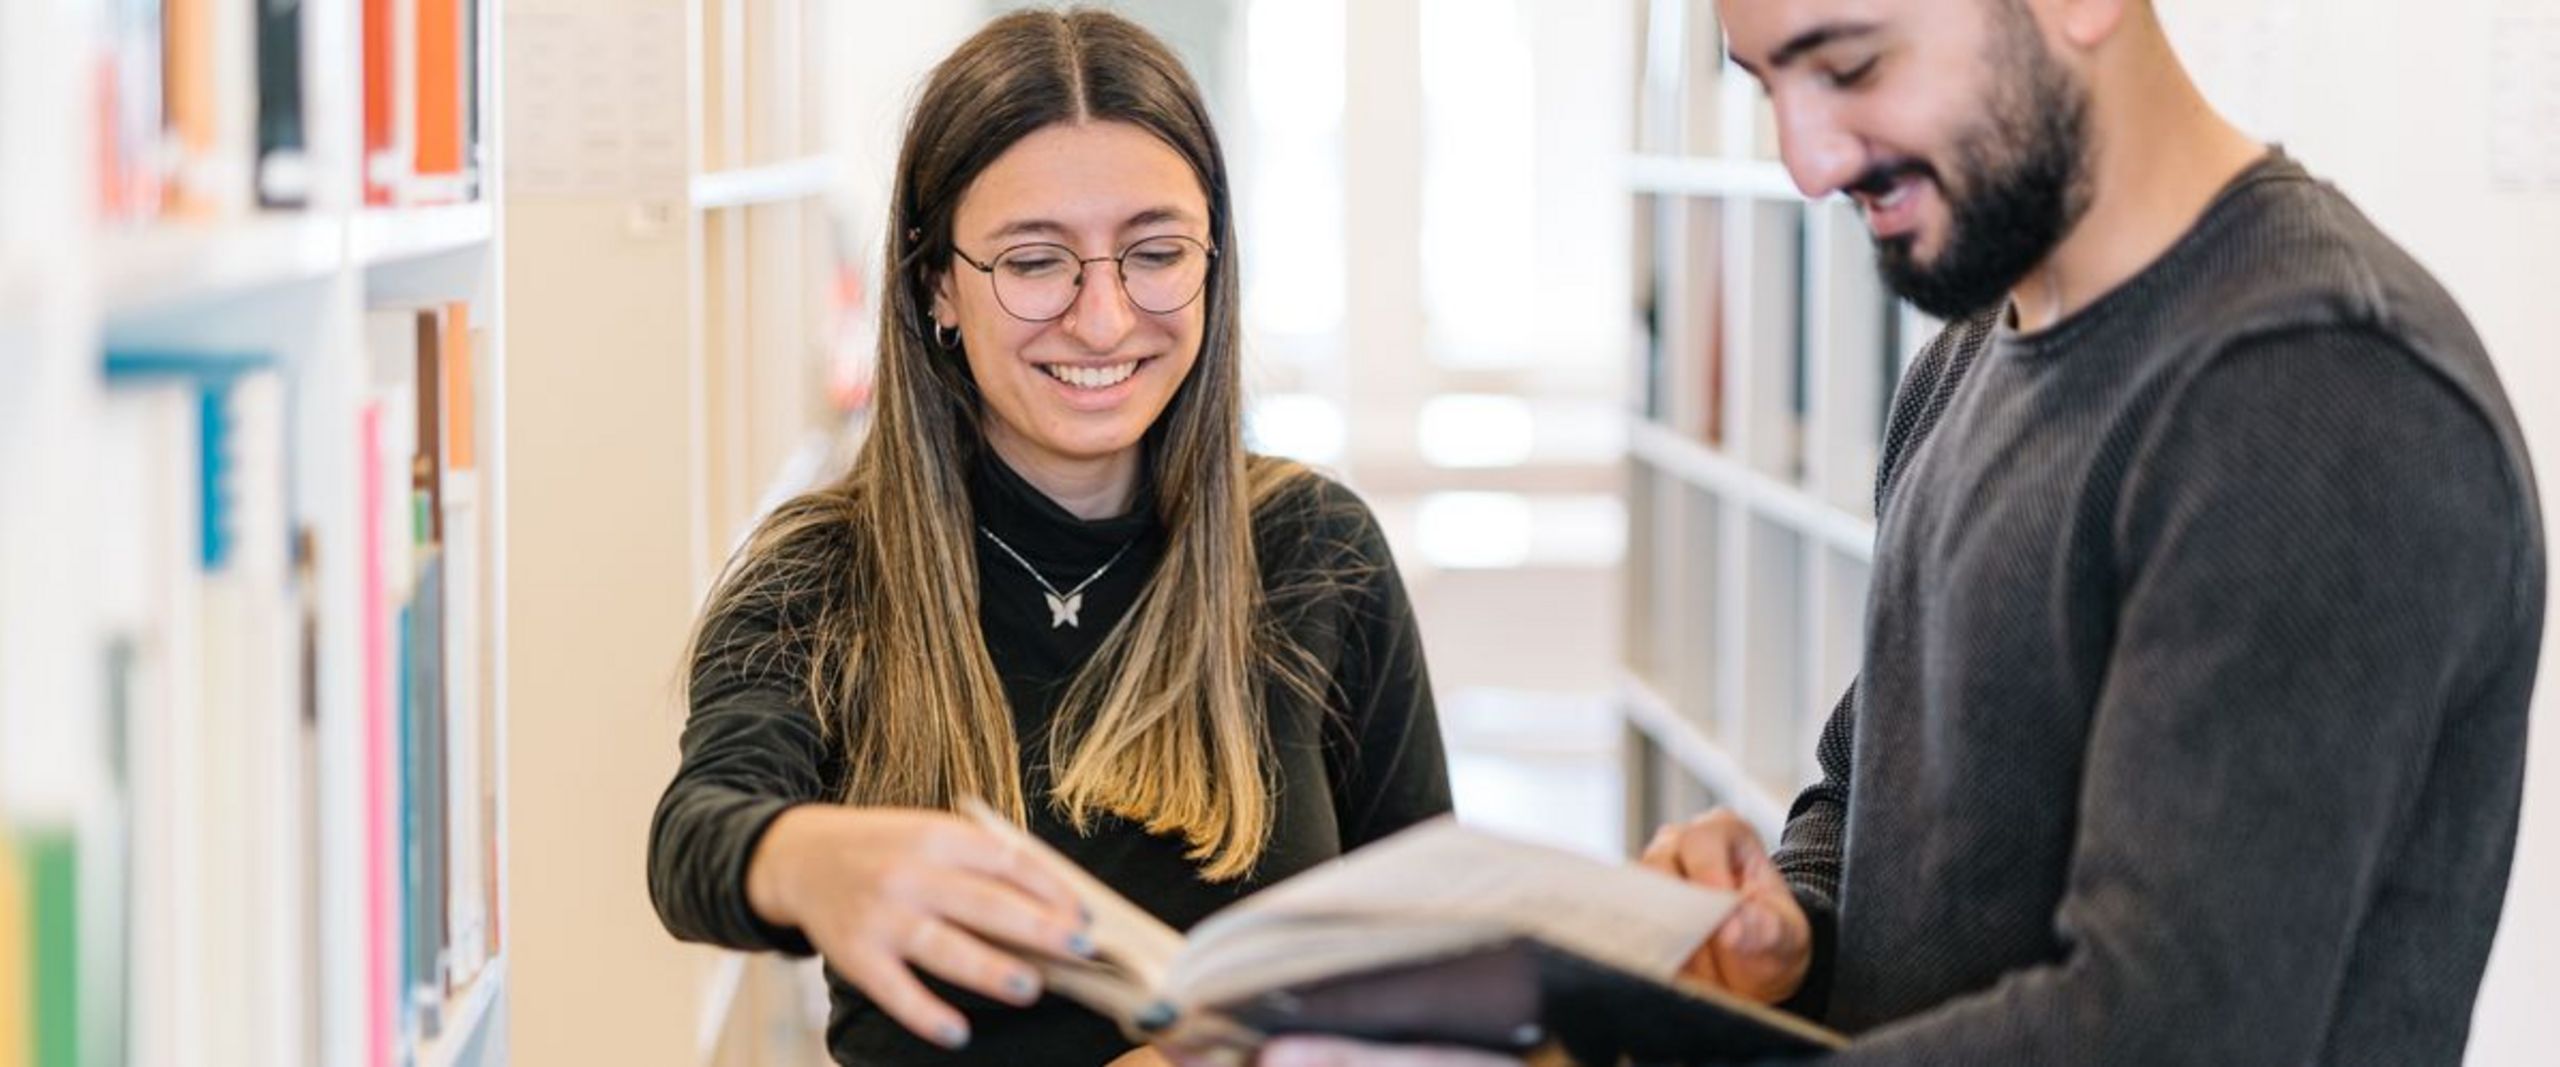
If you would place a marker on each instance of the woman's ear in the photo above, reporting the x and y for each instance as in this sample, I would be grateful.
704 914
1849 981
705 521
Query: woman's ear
945 309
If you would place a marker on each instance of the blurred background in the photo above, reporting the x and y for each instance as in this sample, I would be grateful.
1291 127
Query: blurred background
382 383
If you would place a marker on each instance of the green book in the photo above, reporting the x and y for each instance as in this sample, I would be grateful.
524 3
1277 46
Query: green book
52 861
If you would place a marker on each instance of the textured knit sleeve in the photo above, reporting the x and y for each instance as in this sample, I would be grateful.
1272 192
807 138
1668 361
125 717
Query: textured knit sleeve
2322 548
1809 852
751 749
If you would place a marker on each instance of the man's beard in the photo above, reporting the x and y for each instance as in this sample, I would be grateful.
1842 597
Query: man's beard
2021 184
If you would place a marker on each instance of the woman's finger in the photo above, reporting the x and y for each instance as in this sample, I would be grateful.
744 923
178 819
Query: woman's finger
949 953
1000 911
885 979
962 845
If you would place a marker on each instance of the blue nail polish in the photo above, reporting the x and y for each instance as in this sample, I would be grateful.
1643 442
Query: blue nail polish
1022 987
1155 1017
955 1036
1082 945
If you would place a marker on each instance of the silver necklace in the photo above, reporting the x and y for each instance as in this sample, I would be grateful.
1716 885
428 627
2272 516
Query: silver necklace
1062 606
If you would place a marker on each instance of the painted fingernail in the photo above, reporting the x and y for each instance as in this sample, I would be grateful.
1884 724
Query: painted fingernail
1155 1017
1081 944
953 1036
1022 987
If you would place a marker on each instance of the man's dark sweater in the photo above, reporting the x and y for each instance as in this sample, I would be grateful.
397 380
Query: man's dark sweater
1358 766
2191 727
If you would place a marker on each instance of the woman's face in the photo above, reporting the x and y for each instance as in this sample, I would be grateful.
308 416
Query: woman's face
1084 386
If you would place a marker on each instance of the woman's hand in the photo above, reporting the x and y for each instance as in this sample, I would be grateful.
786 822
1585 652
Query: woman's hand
1142 1056
879 889
1764 948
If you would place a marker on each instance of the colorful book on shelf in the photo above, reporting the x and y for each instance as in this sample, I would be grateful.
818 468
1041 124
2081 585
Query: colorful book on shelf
381 956
312 869
17 994
151 548
437 166
51 857
200 614
130 142
424 792
190 102
426 471
209 104
382 162
284 161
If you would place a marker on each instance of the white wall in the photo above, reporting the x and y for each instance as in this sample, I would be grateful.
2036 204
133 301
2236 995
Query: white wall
2412 108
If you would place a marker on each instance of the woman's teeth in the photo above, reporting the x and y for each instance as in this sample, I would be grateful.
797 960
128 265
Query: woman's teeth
1084 377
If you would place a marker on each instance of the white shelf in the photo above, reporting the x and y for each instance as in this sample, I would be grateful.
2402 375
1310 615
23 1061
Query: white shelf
466 1015
775 183
391 235
1693 176
1769 497
172 262
1702 757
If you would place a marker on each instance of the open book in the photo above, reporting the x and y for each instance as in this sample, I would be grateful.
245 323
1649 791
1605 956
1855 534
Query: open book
1439 934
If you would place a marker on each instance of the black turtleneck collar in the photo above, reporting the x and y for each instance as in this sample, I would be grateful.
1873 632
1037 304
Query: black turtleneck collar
1050 535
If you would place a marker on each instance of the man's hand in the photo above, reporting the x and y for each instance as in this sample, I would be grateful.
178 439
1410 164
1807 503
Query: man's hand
1764 948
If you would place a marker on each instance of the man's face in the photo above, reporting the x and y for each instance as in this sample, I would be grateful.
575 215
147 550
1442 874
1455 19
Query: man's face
1961 136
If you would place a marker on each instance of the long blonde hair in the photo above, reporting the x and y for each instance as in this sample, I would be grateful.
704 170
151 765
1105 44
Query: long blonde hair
1165 725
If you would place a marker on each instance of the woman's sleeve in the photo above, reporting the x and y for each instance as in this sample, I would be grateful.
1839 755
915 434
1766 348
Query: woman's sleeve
1388 767
751 750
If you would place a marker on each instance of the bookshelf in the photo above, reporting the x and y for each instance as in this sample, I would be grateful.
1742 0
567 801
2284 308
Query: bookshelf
697 282
252 674
1766 352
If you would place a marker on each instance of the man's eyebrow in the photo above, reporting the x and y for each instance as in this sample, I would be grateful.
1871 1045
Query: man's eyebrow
1796 46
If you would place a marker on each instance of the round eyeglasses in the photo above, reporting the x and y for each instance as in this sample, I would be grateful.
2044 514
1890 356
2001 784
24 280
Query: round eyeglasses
1039 282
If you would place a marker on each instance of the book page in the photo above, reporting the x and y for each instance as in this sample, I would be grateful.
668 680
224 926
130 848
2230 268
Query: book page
1440 884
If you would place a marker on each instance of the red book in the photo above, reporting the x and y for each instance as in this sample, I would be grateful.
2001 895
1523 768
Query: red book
381 31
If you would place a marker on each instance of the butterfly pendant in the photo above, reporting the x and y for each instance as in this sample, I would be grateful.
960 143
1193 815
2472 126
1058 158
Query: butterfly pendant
1063 610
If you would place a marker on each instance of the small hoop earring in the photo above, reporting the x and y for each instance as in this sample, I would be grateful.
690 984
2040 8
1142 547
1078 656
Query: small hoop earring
946 338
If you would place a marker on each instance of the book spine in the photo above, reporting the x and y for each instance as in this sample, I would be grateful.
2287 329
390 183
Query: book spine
382 958
284 166
53 894
17 1029
381 146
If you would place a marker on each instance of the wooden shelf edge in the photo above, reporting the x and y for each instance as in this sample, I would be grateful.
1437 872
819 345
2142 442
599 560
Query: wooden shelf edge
1701 756
1700 466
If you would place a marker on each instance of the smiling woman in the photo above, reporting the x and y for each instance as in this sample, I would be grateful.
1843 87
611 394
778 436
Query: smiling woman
1073 370
1053 581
